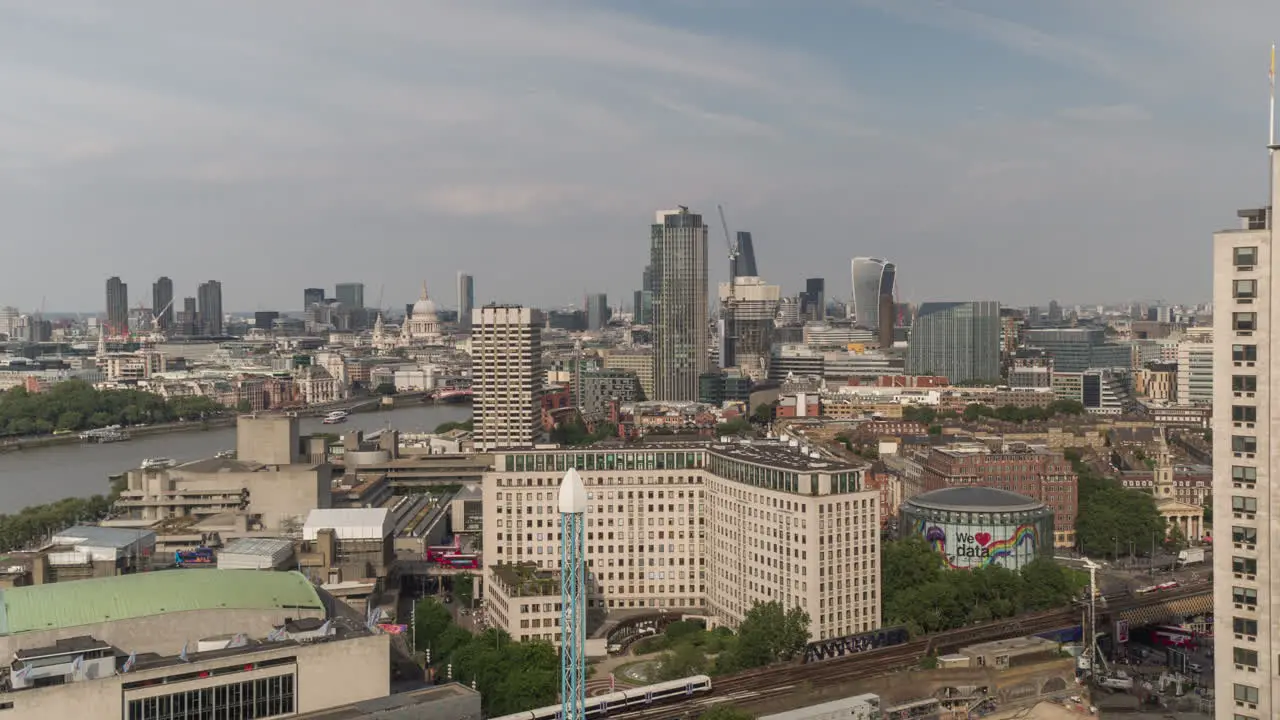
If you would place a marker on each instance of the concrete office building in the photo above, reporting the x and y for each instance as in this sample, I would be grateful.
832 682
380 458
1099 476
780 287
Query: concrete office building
708 528
957 340
639 362
1246 498
678 258
1075 350
749 307
117 308
1195 373
507 376
162 303
466 299
269 483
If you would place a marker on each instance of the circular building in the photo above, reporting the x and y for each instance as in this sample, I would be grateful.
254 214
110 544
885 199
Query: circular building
978 527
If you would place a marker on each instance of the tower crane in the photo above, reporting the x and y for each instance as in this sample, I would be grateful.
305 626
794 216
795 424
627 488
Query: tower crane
730 323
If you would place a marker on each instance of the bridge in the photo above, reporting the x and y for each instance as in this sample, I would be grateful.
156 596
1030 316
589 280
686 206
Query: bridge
422 567
428 470
796 682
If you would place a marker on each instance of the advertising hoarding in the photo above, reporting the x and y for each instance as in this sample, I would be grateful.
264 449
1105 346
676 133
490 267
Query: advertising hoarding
965 547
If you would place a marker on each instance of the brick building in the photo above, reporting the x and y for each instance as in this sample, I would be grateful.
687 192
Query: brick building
1024 469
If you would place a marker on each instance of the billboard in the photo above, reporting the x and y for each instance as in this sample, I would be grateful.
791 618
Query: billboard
964 546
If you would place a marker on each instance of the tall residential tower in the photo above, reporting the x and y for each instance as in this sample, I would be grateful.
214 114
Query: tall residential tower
209 295
162 303
117 307
466 299
507 376
1246 500
678 259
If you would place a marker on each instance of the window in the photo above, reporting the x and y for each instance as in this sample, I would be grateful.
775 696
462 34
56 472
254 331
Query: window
1244 626
263 697
1245 256
1247 658
1244 353
1243 504
1244 566
1244 321
1244 535
1244 596
1241 473
1244 444
1244 383
1244 289
1244 413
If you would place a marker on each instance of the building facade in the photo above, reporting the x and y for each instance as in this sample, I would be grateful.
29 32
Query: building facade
872 279
957 340
1195 373
507 375
711 528
978 527
350 295
466 298
162 303
209 295
678 258
1247 625
117 308
597 305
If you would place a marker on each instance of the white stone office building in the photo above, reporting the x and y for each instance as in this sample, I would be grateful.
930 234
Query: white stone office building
507 376
710 528
1244 501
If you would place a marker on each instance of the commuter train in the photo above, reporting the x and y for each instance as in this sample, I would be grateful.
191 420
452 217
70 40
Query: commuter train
625 701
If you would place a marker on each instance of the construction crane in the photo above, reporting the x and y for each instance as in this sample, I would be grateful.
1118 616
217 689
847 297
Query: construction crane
730 334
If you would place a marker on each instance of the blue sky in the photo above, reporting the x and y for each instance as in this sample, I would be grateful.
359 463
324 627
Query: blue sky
994 149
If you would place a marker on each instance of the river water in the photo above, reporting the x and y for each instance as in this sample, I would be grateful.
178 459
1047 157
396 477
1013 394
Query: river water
32 477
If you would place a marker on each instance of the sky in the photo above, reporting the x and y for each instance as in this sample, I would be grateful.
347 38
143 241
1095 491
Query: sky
993 149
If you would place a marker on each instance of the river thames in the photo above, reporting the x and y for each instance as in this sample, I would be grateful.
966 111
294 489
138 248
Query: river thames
33 477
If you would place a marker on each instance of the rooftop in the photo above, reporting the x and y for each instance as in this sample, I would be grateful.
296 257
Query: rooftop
264 547
778 454
526 579
422 699
94 536
88 602
971 497
220 465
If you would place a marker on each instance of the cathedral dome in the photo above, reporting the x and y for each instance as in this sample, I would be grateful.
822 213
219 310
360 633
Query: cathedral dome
425 307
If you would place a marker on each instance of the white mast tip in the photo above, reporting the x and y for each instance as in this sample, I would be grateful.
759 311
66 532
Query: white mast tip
573 495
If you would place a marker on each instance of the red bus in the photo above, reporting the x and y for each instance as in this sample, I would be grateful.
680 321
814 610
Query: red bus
1172 636
437 553
463 562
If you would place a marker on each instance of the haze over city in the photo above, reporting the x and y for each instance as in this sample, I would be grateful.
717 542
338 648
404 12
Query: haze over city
282 145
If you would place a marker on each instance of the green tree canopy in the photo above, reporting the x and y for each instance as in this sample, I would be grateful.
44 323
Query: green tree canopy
76 405
767 634
1111 518
921 593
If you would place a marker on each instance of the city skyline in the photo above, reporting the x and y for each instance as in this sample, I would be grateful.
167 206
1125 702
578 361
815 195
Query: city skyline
949 157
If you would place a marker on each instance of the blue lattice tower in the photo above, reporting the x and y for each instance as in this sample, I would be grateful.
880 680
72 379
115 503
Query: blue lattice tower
573 597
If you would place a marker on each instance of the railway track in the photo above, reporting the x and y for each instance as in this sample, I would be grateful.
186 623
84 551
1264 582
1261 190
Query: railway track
760 684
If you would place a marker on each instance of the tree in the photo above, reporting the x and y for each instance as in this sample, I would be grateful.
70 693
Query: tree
770 634
1176 539
464 589
763 413
431 620
684 660
385 389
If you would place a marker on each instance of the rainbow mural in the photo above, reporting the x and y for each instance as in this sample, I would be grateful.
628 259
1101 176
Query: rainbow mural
990 548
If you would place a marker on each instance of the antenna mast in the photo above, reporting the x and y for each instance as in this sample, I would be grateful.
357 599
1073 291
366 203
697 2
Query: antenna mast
1271 120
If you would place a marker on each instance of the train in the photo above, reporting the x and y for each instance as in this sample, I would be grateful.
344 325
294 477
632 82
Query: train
199 556
625 701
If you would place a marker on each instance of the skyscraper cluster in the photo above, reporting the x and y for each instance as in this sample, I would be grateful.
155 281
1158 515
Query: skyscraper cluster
200 316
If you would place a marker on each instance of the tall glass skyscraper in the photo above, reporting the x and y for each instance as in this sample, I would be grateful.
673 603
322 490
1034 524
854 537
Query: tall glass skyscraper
872 279
744 265
678 262
957 340
466 298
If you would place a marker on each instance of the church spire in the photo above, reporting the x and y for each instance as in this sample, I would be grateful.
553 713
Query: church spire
424 291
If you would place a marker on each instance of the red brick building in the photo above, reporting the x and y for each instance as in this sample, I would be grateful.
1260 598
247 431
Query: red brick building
1035 472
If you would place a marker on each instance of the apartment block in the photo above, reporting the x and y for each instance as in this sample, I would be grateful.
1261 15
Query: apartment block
507 377
1247 678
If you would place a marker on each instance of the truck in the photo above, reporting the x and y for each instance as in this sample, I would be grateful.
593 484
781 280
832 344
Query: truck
1190 556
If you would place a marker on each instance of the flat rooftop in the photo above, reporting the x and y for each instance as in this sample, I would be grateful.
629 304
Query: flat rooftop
775 453
413 699
526 580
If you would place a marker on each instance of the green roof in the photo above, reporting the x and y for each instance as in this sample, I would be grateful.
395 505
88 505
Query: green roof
88 602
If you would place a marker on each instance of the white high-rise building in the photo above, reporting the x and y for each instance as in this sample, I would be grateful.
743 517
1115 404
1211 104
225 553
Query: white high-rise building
507 376
1246 503
1195 372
